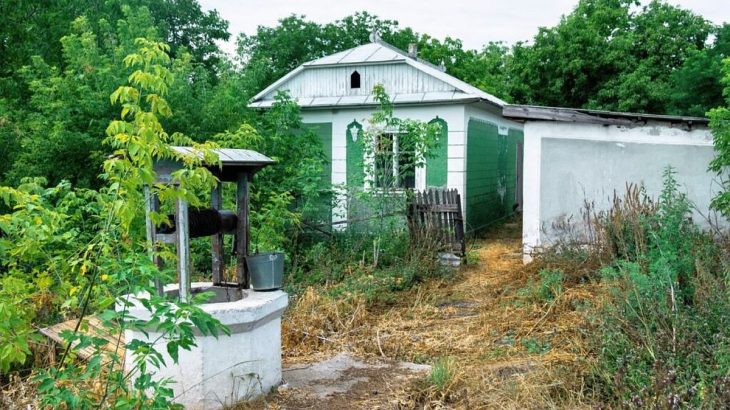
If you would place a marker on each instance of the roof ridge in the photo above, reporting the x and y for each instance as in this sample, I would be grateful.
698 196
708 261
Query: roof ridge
404 54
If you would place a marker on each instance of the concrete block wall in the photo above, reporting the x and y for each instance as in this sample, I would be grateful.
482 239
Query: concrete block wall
567 164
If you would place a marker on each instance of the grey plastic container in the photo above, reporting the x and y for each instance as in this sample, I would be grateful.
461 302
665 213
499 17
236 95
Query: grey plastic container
266 270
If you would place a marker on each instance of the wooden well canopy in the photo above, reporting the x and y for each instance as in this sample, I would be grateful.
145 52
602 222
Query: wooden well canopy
237 166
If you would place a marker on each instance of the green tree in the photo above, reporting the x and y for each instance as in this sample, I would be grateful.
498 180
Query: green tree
567 64
696 86
606 56
90 268
720 124
33 28
274 51
67 97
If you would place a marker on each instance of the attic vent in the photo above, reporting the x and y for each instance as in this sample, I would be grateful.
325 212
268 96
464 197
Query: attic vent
355 80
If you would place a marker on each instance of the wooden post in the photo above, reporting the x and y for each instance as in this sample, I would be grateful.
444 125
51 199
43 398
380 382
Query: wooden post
216 202
460 227
183 248
242 230
152 204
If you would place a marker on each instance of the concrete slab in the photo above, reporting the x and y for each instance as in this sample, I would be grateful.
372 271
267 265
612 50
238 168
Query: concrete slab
344 378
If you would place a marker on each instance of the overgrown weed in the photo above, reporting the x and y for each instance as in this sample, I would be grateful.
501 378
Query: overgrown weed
662 336
373 264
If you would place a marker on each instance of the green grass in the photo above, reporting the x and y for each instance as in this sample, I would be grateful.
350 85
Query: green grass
442 373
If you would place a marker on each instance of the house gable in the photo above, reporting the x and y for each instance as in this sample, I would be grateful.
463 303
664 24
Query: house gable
328 81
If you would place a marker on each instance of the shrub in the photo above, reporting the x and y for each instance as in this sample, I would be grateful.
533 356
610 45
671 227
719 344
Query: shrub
361 263
547 289
663 335
70 252
551 284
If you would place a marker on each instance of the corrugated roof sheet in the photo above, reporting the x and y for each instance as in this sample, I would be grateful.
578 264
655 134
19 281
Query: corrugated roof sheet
540 113
231 156
367 53
359 100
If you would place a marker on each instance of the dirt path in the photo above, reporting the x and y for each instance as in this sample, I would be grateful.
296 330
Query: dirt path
506 348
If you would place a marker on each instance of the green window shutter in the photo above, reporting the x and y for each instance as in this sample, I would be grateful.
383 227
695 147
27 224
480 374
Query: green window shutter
437 164
323 213
354 151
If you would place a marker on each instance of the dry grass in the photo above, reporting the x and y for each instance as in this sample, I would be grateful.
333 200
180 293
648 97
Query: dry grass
18 393
508 350
480 319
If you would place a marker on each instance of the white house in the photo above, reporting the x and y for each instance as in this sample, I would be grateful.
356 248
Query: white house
480 154
570 155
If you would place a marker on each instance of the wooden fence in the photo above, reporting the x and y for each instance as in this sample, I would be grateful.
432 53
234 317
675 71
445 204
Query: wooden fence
435 215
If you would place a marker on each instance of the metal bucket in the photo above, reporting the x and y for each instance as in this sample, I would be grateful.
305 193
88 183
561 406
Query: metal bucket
266 270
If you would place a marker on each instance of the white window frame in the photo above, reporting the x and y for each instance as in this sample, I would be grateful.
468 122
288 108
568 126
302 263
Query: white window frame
370 180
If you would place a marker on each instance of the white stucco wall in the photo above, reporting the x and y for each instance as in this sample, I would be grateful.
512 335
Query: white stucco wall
569 163
453 114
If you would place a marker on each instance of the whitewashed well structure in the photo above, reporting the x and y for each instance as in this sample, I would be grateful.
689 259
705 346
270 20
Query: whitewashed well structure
479 155
573 156
224 370
219 370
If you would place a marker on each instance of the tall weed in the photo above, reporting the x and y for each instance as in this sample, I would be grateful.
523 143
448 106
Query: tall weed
663 339
369 263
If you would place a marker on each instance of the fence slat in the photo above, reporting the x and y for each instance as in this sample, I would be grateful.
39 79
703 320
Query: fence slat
435 214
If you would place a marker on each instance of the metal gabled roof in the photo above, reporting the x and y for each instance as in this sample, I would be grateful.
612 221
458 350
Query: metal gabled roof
378 52
366 53
230 156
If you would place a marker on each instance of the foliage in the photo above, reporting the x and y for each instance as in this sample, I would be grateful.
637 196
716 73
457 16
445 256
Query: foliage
59 120
374 257
39 249
274 51
393 148
547 289
33 29
535 346
284 193
604 55
70 252
66 252
551 284
720 124
696 86
357 263
662 336
442 373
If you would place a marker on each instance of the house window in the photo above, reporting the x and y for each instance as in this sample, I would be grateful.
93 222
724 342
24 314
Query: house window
355 80
394 163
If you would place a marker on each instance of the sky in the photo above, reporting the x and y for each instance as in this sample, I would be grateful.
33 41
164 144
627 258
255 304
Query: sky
475 22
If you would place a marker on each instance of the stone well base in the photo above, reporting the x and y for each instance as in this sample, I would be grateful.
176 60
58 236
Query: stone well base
223 371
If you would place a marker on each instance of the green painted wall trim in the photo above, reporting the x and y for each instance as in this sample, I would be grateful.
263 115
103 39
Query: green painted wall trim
355 170
437 164
324 204
491 174
354 152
